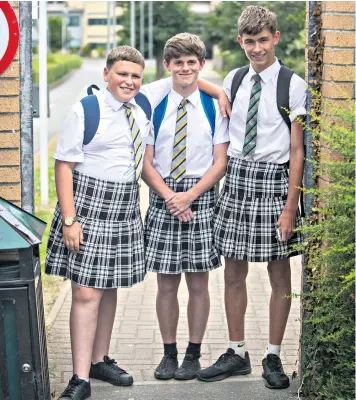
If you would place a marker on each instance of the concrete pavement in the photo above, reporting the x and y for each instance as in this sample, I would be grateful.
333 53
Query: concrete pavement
137 345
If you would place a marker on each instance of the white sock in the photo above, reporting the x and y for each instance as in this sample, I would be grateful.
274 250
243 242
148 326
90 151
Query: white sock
83 379
238 347
97 362
273 349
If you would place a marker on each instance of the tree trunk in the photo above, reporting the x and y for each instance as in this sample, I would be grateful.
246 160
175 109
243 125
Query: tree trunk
160 67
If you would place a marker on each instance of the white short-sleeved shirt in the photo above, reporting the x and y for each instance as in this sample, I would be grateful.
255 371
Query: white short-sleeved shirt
273 136
199 136
109 156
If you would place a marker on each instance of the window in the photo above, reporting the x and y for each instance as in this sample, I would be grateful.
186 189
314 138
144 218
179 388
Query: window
73 20
97 21
97 45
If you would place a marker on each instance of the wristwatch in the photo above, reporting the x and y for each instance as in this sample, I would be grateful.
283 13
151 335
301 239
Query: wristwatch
68 221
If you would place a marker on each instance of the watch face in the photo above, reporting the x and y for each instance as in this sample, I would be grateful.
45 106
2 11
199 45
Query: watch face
68 221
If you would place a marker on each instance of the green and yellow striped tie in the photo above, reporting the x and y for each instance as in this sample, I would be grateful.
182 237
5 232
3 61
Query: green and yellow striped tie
179 159
137 141
251 122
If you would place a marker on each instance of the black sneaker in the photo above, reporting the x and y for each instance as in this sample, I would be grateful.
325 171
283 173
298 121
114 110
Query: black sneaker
167 367
228 364
77 389
273 373
189 368
108 371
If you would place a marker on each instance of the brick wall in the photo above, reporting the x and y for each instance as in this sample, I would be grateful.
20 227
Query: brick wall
10 176
338 29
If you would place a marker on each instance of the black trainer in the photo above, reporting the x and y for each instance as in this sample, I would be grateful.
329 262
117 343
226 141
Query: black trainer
228 364
189 368
273 373
108 371
77 389
167 367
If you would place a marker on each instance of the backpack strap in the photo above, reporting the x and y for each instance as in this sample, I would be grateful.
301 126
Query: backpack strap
283 83
236 81
143 102
209 109
158 115
90 89
91 116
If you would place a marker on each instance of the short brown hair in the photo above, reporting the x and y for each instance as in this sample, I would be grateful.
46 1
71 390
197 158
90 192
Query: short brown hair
124 53
255 19
184 44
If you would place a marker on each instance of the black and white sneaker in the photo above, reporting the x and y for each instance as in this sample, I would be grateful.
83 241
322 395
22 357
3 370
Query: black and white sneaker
77 389
189 368
167 367
273 373
109 371
228 364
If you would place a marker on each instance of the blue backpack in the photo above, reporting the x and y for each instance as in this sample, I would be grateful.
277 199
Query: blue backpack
208 105
92 112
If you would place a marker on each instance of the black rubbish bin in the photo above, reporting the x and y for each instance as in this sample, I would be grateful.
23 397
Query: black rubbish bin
23 352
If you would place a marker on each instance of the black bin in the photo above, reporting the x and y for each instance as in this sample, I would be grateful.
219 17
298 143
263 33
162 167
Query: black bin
23 352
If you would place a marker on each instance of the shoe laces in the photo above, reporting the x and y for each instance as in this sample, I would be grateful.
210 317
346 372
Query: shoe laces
167 359
223 358
273 363
189 360
72 386
112 364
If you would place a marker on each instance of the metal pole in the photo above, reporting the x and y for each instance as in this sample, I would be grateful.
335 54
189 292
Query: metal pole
114 24
142 27
26 135
108 26
43 103
150 37
132 24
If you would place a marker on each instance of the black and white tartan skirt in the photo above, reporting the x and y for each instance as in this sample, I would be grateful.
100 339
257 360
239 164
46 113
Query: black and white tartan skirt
252 199
174 247
112 255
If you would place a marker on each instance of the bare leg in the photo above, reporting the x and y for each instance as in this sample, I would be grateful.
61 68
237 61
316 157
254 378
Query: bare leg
198 304
167 306
236 297
83 323
280 302
106 318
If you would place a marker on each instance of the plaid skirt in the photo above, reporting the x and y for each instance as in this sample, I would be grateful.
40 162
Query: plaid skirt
112 255
251 202
174 247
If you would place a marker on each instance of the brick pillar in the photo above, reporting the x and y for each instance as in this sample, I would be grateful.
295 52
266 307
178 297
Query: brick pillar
338 29
10 176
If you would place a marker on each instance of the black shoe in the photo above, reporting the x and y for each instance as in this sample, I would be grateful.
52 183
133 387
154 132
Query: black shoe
108 371
167 367
273 373
189 368
228 364
77 389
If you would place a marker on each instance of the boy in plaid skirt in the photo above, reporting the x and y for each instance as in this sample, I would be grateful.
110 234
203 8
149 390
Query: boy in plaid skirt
96 237
184 159
259 196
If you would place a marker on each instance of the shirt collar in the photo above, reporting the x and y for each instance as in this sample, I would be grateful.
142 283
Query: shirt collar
267 74
193 98
113 103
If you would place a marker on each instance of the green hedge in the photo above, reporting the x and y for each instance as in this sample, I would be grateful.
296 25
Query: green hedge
58 65
329 298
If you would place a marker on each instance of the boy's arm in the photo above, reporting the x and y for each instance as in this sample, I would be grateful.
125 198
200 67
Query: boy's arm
156 91
296 164
217 93
154 180
72 235
183 200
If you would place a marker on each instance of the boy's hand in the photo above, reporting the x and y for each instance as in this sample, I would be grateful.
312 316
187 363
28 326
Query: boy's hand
286 222
224 104
186 215
73 236
179 203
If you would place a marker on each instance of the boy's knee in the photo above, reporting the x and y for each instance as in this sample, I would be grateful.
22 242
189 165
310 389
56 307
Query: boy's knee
168 285
85 295
236 274
197 283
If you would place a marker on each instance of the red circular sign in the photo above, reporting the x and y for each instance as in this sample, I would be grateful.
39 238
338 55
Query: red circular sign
11 38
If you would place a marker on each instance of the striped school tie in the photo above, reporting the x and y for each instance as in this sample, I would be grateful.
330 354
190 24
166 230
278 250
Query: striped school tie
137 141
179 169
251 123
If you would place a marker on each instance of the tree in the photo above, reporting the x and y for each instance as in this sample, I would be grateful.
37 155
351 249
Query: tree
169 18
55 33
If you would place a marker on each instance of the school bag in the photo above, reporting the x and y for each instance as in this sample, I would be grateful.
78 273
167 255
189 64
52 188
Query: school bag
283 83
208 106
92 112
